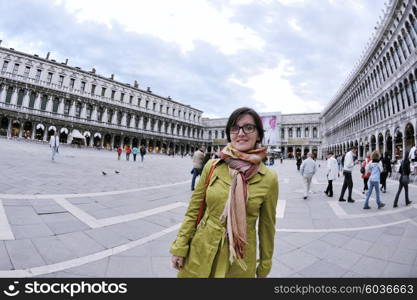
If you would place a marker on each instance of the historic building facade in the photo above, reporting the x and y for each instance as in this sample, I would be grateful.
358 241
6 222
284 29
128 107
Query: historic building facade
377 107
296 134
39 97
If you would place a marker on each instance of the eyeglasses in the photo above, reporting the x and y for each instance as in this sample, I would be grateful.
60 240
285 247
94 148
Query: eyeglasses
247 128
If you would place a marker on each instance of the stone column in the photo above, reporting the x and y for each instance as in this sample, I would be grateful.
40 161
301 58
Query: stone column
61 106
21 129
148 125
104 118
45 133
33 131
26 99
14 96
49 104
91 144
112 141
124 119
155 126
114 118
132 121
140 122
83 114
72 109
94 113
102 141
163 127
37 105
3 93
302 150
9 128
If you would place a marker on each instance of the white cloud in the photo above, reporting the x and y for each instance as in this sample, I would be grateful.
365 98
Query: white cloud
272 91
181 22
294 24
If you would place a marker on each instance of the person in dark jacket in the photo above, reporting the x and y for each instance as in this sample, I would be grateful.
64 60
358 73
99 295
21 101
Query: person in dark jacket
404 180
387 170
299 162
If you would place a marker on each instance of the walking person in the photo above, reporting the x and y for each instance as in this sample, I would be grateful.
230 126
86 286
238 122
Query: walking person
366 175
387 170
135 152
375 168
128 151
142 151
235 195
119 152
332 173
404 180
54 144
348 164
198 159
299 162
307 170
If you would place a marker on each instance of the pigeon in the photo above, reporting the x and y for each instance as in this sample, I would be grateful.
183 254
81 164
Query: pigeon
104 173
117 172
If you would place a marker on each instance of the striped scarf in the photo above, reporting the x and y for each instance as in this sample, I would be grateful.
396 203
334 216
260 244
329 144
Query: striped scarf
242 167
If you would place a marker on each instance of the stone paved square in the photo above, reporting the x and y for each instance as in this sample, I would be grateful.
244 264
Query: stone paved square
67 219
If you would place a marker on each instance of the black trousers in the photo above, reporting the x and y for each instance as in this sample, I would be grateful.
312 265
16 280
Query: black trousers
329 190
365 184
400 187
384 176
347 183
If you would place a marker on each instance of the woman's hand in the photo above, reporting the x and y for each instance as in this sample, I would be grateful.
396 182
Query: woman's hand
177 262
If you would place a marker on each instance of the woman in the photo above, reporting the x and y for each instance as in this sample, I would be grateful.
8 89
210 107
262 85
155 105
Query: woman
375 169
404 180
240 191
365 175
386 164
332 173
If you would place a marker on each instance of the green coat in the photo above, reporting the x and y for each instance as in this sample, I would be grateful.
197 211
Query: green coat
208 253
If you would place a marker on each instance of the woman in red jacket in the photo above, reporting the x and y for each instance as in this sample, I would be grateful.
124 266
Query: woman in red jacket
365 175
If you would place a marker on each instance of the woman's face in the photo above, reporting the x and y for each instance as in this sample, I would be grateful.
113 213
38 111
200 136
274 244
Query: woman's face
244 141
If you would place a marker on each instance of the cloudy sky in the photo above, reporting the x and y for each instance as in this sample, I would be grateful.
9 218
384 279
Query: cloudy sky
215 55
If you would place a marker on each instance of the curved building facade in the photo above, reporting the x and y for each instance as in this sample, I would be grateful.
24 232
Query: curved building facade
39 97
377 107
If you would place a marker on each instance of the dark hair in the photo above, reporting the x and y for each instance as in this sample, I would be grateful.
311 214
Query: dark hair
240 112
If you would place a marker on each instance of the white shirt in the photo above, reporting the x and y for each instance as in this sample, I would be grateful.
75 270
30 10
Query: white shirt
349 162
54 141
412 153
332 168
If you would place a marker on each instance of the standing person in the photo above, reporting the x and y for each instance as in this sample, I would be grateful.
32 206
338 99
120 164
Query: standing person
119 152
128 151
332 173
142 151
366 175
299 162
198 159
404 180
239 192
54 144
135 152
307 170
375 168
348 164
412 156
387 169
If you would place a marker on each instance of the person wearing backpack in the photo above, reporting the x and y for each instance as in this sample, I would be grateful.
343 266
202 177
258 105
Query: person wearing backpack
404 180
375 168
365 176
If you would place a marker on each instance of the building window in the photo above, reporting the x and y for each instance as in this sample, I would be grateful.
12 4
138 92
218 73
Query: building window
130 99
290 132
160 108
99 114
113 92
27 71
146 104
89 111
154 106
139 101
72 83
5 65
82 86
78 109
298 132
67 107
55 105
173 112
216 134
93 89
49 79
122 97
167 110
38 74
222 134
15 68
314 132
282 133
103 91
109 116
306 132
61 80
44 102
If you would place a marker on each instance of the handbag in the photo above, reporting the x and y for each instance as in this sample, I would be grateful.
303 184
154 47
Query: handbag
202 207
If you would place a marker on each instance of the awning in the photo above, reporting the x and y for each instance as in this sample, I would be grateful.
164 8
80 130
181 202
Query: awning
40 126
64 130
76 134
52 127
87 134
97 135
